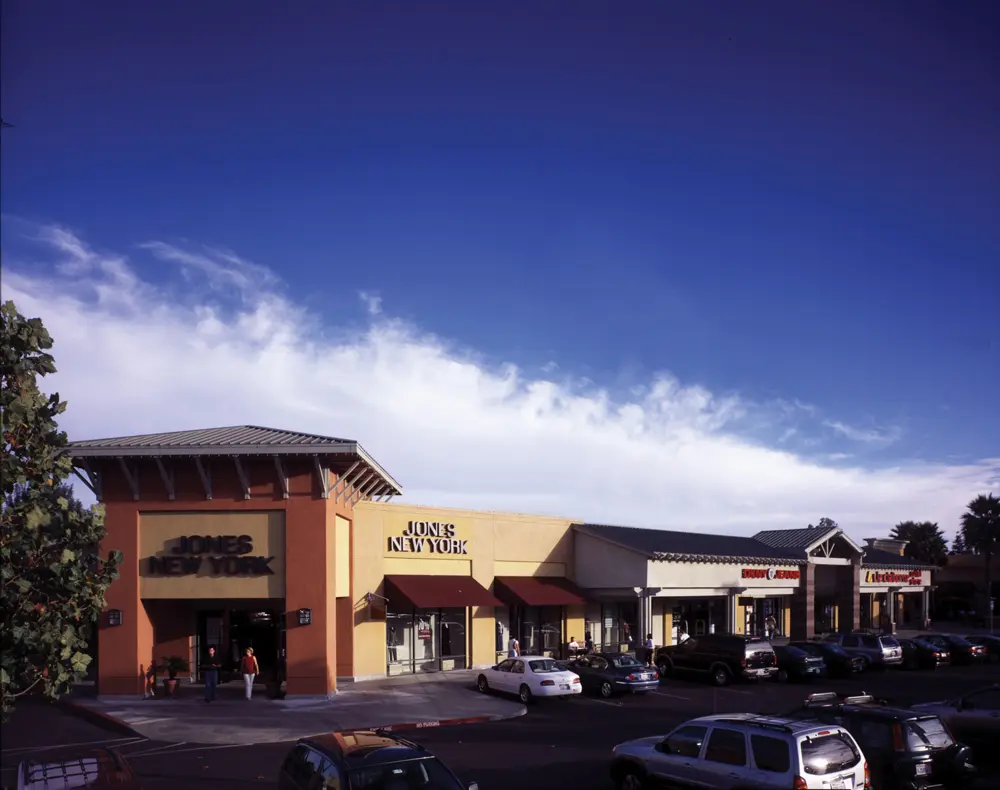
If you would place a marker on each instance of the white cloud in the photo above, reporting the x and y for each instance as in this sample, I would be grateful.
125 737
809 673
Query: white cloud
372 302
864 435
137 357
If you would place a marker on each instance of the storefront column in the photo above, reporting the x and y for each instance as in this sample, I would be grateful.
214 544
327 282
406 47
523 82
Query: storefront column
848 597
925 608
804 605
124 651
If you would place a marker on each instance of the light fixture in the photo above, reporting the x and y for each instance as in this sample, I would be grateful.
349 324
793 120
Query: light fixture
305 616
114 617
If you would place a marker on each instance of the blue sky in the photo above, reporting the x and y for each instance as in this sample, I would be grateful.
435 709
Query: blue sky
780 207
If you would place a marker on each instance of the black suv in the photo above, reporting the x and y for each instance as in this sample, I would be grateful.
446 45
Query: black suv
905 749
720 658
360 759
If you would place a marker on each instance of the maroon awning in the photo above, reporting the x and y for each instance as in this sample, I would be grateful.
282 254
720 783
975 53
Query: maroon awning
538 591
434 592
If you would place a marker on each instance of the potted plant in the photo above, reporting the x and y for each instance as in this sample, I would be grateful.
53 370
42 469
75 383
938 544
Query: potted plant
173 665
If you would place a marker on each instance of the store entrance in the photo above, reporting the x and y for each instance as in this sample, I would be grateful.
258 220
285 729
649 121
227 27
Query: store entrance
232 631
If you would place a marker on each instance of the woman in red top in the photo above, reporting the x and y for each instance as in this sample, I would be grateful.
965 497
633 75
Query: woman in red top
249 668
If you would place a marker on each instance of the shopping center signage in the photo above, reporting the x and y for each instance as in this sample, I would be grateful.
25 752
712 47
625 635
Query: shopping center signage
428 537
221 555
911 579
769 573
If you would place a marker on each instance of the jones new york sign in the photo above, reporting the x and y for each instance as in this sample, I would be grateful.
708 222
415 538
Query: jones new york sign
434 536
223 555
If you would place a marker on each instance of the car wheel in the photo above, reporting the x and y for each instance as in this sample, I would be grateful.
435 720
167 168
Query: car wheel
782 675
630 779
607 690
483 684
720 676
665 668
524 694
864 665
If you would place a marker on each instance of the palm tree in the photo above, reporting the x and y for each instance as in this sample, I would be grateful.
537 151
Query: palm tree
981 530
925 541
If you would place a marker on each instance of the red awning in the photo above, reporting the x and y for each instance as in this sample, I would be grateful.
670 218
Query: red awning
538 591
434 592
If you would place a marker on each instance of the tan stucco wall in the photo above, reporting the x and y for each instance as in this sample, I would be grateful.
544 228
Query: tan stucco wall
497 544
158 533
600 564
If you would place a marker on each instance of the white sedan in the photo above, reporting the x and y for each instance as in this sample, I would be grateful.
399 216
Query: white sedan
529 677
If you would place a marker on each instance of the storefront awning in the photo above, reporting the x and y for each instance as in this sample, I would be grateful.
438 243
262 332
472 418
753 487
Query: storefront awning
538 591
437 592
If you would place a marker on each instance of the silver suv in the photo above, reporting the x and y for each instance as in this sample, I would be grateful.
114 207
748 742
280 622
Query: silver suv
877 651
743 750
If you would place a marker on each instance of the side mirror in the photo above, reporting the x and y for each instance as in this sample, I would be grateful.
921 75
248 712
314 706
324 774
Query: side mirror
495 667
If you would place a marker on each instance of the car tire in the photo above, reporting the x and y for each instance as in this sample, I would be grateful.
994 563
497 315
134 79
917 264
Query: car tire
720 676
607 690
865 665
630 778
665 668
524 694
782 676
483 684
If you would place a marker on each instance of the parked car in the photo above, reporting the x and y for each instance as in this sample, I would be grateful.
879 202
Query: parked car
878 651
530 677
797 664
991 643
963 652
974 718
742 750
102 769
359 759
839 663
609 674
905 749
720 658
918 654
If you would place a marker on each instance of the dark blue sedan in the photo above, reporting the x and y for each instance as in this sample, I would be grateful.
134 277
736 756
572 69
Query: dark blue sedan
609 674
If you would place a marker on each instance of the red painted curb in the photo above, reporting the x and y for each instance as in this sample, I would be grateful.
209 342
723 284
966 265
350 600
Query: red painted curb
96 717
420 725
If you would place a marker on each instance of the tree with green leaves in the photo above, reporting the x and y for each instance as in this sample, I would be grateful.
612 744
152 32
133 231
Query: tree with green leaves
825 524
925 541
958 544
53 578
981 532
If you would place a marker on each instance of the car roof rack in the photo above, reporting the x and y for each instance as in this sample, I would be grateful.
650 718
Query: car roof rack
824 698
761 721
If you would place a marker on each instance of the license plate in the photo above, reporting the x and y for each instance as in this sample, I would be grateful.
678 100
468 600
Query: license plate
923 769
644 676
564 686
813 671
838 784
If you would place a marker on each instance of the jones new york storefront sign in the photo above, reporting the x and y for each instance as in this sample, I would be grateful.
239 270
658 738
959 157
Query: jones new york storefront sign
223 555
434 536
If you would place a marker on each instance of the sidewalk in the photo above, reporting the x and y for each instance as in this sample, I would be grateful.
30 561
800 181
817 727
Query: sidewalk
392 703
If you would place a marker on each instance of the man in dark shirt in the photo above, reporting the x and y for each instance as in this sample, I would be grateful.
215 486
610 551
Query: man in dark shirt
210 672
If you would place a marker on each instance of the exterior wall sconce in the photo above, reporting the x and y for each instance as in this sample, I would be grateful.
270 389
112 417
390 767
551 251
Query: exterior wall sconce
114 617
305 616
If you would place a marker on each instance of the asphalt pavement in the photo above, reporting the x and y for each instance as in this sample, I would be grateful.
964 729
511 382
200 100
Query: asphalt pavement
559 743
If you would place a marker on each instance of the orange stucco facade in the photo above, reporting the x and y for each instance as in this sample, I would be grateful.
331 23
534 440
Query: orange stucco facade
153 629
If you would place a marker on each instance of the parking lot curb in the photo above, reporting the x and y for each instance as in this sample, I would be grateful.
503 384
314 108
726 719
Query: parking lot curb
421 725
96 717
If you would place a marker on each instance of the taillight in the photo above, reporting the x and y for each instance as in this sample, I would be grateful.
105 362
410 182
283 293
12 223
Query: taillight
774 659
743 662
656 676
868 777
548 683
897 738
632 677
800 784
576 680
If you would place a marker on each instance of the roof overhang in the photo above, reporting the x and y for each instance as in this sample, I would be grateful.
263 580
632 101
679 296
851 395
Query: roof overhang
721 558
835 532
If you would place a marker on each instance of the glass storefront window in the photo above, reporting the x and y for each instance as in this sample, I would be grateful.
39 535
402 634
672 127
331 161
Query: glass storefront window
550 618
425 640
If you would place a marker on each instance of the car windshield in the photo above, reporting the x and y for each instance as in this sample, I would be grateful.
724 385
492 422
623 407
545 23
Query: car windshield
424 774
826 754
544 665
791 652
927 735
625 661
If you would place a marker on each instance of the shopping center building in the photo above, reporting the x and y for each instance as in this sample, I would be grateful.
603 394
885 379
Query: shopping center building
291 543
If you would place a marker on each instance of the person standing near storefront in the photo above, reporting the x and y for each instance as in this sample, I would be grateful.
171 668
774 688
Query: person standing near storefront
650 646
250 670
515 648
210 672
770 626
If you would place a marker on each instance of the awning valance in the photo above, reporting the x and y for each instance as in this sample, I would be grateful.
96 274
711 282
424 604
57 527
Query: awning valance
538 591
434 592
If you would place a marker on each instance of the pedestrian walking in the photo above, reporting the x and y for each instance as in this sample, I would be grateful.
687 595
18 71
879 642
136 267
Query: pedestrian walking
250 670
210 672
771 625
515 648
649 649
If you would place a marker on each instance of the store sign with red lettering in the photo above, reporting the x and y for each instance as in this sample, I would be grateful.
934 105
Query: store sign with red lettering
910 578
769 574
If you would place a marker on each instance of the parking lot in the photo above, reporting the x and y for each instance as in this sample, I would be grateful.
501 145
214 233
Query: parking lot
559 743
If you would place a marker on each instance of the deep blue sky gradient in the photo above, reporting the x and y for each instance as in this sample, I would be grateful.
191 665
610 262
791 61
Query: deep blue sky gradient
787 199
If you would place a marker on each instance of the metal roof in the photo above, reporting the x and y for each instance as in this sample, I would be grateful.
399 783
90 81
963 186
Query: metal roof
670 545
876 558
794 538
245 436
